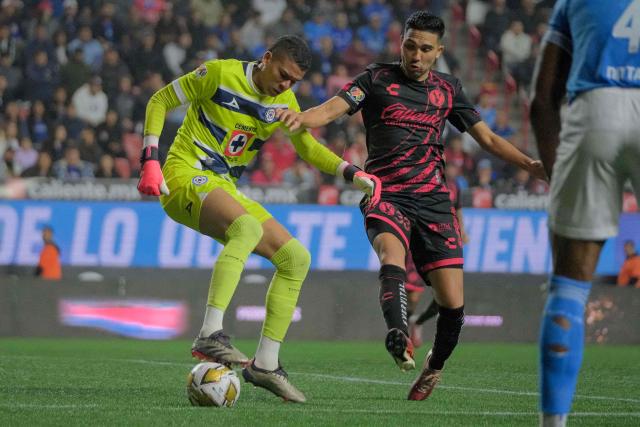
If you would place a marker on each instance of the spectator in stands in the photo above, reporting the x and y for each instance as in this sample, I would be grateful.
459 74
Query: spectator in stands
109 135
318 86
372 34
209 10
40 41
11 139
25 156
176 52
339 78
341 32
502 127
73 123
495 24
379 8
528 15
357 154
39 127
8 167
484 174
300 176
42 168
107 27
49 267
125 101
60 52
252 34
113 69
9 44
91 102
75 73
280 150
454 153
304 94
317 28
487 108
270 10
325 59
56 145
89 150
42 77
235 48
13 76
147 57
106 167
69 20
71 166
356 57
515 46
266 173
91 48
630 270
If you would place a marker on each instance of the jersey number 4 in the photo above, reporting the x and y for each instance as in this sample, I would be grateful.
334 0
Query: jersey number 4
628 26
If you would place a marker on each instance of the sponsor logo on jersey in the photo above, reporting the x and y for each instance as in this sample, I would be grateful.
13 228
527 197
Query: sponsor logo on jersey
233 103
246 128
201 71
401 113
356 94
238 141
199 180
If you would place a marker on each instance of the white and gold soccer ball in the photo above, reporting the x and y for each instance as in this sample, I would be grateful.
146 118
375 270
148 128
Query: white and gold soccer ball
212 384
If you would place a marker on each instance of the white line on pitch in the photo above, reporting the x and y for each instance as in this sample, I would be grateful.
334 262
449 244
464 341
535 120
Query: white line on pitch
307 408
373 381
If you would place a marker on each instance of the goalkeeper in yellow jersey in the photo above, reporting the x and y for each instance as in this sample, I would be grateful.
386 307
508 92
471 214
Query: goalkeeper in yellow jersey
231 114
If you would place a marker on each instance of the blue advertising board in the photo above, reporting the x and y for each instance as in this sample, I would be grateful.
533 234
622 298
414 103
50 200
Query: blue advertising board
139 234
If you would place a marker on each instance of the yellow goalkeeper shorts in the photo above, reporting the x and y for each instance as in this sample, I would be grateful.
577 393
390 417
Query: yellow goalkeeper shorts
189 186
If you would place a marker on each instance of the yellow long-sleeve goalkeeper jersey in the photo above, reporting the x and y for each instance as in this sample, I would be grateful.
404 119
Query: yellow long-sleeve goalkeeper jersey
228 119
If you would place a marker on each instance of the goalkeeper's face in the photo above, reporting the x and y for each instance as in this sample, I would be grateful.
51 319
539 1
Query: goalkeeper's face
278 73
420 50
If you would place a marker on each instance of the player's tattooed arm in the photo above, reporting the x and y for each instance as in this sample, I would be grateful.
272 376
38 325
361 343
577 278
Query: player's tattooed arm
502 148
318 116
550 78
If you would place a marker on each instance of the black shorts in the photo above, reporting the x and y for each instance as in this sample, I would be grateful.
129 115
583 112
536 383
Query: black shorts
427 226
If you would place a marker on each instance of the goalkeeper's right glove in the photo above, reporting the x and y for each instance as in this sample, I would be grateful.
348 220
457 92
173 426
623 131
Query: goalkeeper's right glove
151 181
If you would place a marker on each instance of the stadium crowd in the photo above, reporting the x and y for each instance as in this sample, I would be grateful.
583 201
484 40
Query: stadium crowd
75 76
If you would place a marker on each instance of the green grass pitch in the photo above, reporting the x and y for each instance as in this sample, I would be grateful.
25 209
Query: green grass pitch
124 382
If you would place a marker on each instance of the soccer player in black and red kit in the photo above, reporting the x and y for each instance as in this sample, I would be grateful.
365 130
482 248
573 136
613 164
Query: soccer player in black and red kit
405 107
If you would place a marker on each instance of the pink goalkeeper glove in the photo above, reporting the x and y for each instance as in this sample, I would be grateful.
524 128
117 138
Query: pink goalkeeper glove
151 180
367 183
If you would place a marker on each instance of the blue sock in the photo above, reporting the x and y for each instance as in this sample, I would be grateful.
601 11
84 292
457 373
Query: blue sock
562 343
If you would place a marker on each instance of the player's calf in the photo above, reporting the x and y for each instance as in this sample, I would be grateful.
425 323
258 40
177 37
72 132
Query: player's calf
561 346
448 327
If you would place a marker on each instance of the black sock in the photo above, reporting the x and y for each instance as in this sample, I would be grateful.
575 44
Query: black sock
430 312
393 297
448 328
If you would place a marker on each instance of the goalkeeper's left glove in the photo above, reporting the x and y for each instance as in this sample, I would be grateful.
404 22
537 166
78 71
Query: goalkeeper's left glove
367 183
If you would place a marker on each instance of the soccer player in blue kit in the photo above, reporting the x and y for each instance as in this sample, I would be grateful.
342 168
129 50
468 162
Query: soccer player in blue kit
591 53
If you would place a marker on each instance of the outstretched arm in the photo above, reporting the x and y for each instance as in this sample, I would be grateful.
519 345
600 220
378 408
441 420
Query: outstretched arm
325 160
550 78
318 116
502 148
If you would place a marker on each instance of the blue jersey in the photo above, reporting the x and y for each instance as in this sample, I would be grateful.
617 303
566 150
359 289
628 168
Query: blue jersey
603 38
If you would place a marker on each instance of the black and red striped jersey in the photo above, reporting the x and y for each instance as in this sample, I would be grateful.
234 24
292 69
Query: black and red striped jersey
404 120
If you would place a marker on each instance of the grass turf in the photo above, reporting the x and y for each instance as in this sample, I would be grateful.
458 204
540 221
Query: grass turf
123 382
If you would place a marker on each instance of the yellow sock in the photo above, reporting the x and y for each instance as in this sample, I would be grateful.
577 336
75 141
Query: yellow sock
242 237
292 263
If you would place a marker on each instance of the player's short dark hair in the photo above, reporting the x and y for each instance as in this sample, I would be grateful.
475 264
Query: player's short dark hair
425 21
295 48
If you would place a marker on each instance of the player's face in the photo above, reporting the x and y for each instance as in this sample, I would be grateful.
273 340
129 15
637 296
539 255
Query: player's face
278 74
420 49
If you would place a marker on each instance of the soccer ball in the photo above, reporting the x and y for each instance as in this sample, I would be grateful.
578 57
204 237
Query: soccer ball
212 384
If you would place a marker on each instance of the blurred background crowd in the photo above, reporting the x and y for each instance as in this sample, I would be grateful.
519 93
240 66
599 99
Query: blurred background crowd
75 76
